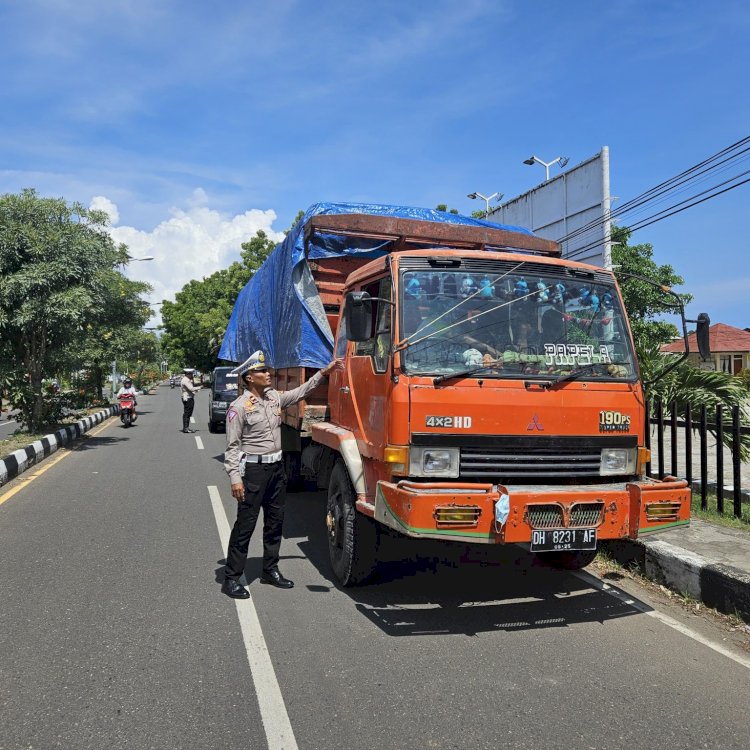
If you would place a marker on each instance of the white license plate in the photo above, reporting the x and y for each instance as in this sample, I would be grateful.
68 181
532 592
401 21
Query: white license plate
552 540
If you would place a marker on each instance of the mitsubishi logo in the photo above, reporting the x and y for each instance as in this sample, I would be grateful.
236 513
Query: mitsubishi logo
535 424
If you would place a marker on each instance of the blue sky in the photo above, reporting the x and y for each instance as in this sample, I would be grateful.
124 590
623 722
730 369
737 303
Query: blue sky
198 123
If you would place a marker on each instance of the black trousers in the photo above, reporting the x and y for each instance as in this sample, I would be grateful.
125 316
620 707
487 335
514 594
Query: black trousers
265 486
187 412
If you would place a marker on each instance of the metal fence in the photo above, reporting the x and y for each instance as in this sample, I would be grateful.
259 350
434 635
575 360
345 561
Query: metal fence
684 437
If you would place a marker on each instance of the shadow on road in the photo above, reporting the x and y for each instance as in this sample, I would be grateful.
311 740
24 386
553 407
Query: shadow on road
433 587
88 442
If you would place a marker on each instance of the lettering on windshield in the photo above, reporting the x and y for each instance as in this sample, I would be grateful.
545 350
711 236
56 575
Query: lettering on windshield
575 355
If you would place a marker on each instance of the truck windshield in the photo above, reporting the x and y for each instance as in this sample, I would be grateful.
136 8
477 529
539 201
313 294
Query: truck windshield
520 324
225 380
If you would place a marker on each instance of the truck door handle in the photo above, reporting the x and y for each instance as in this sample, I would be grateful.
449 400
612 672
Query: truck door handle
344 389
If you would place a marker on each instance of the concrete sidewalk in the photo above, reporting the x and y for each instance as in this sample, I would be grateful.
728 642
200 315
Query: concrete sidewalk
708 562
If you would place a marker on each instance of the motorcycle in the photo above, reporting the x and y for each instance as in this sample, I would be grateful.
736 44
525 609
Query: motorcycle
172 383
127 409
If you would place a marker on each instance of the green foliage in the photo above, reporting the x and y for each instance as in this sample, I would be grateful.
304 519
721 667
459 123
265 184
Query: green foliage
643 302
744 377
689 385
196 321
444 207
299 215
58 272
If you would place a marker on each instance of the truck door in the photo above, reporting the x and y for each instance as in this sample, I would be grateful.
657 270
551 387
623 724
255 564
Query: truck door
365 382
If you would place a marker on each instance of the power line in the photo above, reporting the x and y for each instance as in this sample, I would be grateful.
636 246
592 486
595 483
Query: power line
662 190
678 208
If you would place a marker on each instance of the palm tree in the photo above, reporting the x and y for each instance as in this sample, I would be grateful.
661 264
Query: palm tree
689 385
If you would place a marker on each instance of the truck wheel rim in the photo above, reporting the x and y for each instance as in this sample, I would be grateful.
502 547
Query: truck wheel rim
334 521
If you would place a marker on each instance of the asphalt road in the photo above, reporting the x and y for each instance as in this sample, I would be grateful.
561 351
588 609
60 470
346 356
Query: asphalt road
114 633
7 427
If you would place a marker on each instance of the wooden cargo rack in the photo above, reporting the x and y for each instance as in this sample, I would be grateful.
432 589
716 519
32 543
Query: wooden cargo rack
404 233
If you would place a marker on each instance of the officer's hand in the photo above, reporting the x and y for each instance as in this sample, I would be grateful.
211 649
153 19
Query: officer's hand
334 364
238 492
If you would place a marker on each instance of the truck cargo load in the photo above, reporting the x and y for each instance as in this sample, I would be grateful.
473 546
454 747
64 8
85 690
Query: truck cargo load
280 310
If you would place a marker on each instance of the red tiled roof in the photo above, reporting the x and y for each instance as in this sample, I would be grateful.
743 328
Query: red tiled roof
723 338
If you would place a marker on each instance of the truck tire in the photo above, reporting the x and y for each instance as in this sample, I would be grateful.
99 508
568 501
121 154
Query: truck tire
352 536
211 426
574 560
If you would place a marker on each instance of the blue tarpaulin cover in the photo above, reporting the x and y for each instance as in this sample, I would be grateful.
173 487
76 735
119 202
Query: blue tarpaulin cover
279 310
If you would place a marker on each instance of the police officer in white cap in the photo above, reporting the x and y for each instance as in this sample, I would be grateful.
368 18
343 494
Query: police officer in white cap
187 391
253 460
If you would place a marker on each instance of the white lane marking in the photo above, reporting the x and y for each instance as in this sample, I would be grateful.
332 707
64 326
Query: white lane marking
9 421
199 443
661 617
273 714
192 420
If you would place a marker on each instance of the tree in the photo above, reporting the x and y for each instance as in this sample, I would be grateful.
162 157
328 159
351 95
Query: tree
54 261
686 384
644 302
196 321
444 207
112 330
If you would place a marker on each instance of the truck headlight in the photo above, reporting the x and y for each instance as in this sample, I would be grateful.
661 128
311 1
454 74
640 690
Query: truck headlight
433 462
617 461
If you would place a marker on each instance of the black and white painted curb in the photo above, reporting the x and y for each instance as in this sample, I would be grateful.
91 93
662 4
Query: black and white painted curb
24 458
720 586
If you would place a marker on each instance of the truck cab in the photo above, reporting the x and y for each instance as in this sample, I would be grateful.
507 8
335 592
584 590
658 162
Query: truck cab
492 397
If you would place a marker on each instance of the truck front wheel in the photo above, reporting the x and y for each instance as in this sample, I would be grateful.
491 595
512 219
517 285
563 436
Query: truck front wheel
352 536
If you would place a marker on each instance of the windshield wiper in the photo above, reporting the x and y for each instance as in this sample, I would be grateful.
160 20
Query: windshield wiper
580 371
462 373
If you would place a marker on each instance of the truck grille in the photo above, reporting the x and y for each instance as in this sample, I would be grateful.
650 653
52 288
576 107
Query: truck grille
550 516
501 458
586 515
529 463
545 516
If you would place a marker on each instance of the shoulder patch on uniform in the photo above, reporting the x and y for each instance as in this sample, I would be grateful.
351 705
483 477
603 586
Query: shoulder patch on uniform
231 414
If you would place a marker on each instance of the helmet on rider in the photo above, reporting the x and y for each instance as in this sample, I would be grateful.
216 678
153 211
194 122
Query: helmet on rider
127 382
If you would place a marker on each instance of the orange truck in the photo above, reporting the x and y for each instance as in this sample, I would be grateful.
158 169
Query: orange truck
489 394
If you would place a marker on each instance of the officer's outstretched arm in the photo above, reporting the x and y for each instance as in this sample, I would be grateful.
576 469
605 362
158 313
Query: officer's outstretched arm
287 398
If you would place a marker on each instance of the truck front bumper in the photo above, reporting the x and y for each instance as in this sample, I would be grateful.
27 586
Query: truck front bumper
466 511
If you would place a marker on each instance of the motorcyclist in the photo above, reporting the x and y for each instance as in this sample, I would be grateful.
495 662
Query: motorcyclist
127 390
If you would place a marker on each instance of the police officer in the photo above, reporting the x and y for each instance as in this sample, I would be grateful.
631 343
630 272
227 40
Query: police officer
253 460
188 391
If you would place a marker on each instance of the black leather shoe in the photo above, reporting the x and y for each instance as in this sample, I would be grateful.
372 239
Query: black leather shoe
232 588
186 431
275 578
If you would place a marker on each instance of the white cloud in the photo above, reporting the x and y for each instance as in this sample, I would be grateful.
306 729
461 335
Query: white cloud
100 203
191 244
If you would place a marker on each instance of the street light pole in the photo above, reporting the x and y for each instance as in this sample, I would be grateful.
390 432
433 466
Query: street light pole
486 200
562 160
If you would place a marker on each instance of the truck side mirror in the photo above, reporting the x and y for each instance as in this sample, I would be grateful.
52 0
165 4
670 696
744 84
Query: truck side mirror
701 334
358 316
